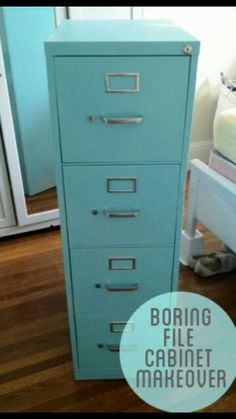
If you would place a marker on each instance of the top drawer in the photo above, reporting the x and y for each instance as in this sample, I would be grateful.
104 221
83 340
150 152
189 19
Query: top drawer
121 109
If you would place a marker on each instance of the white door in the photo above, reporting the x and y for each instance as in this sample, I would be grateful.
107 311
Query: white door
7 216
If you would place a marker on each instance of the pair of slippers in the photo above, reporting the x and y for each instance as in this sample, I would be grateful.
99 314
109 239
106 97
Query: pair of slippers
213 264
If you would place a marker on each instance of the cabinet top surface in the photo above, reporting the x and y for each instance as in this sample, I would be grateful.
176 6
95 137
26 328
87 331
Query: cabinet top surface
118 37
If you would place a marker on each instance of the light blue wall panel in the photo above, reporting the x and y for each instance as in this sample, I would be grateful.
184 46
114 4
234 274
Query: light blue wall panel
23 31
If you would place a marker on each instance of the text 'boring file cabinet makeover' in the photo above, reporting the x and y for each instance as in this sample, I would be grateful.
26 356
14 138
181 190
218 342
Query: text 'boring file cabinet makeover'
121 96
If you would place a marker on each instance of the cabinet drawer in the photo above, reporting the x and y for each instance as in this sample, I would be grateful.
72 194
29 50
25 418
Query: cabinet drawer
106 280
121 205
115 109
99 338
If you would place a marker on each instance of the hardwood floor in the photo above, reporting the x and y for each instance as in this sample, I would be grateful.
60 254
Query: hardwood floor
36 369
43 201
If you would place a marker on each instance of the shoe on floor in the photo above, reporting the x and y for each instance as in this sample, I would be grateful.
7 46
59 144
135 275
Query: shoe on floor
193 260
215 263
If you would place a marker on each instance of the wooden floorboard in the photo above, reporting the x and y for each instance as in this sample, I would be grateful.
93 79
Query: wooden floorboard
36 369
43 201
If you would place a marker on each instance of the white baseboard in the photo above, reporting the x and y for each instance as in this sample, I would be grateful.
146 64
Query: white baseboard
10 231
200 150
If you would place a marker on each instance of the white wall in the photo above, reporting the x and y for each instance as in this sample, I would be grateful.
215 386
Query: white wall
105 12
215 27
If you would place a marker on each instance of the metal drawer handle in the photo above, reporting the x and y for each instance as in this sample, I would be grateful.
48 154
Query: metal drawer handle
122 214
121 287
116 347
113 348
122 121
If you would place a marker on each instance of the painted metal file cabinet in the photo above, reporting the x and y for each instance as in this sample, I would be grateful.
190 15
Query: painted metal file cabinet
121 95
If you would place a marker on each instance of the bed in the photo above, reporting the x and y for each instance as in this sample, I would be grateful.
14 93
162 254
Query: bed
212 200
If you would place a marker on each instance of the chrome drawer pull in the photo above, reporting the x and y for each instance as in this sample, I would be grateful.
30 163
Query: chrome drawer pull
120 287
113 348
121 214
122 121
117 348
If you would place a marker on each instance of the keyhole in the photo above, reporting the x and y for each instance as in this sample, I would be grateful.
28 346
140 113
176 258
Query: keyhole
187 49
91 118
95 212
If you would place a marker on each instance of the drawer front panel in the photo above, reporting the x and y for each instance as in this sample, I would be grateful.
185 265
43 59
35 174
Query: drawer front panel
145 217
114 109
109 280
99 338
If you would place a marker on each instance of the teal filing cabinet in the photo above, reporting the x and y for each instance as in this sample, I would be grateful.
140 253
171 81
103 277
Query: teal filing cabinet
121 95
